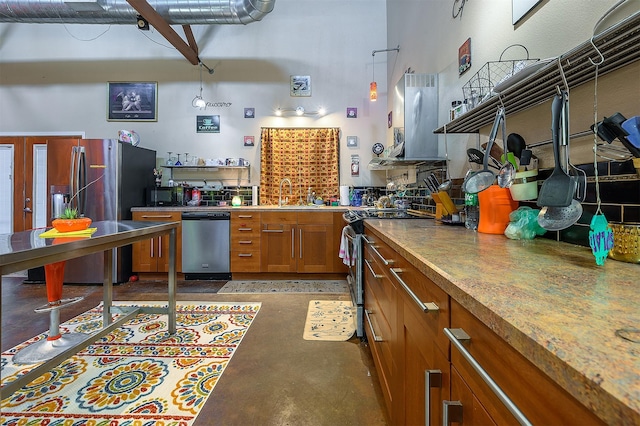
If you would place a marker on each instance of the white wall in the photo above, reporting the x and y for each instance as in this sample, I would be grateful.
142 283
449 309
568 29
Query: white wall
51 80
53 77
429 38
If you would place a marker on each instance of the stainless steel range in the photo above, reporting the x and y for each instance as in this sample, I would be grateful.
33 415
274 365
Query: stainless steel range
351 251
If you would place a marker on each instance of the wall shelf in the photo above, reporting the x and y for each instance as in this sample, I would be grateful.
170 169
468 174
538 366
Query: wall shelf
619 44
209 169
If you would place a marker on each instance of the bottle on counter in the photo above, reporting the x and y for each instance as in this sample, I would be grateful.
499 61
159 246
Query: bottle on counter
472 211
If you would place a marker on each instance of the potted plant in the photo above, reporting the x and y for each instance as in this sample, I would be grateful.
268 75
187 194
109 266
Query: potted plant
69 221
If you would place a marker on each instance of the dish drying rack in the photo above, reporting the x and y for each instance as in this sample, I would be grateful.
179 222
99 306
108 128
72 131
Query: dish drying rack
480 87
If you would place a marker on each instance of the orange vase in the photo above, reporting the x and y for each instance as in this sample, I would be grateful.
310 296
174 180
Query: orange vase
70 225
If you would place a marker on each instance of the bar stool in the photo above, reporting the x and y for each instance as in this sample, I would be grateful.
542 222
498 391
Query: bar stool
56 342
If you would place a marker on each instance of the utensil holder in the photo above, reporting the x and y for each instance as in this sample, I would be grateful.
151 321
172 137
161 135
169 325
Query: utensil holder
626 242
525 186
496 205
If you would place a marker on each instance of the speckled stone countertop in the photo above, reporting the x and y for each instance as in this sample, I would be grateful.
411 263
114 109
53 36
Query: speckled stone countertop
547 299
245 208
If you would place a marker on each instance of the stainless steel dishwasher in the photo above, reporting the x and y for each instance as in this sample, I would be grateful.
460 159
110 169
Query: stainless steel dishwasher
205 245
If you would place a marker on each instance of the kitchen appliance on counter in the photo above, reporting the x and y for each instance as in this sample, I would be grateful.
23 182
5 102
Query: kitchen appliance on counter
109 178
159 196
206 245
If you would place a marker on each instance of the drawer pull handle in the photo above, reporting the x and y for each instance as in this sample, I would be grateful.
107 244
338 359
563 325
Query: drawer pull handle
424 307
376 338
245 254
456 335
245 242
376 276
385 261
280 231
451 412
366 240
245 229
432 379
245 216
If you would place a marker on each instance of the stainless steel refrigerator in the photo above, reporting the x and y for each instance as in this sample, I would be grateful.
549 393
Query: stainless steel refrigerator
109 178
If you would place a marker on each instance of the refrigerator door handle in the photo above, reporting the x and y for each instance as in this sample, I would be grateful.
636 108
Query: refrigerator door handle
72 176
82 183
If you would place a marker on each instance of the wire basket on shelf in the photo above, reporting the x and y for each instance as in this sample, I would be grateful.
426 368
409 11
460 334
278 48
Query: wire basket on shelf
479 88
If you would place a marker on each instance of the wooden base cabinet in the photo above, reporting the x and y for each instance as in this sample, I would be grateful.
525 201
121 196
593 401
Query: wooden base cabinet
534 395
433 356
298 242
153 255
245 241
381 323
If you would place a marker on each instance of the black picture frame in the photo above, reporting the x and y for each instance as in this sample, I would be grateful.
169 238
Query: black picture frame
132 101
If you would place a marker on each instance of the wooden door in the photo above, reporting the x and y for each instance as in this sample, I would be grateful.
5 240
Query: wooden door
315 249
277 241
23 194
423 363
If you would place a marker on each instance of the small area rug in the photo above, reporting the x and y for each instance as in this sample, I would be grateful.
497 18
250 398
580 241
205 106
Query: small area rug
303 286
332 320
138 374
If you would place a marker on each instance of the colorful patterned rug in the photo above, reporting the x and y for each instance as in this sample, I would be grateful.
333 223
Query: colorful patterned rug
138 374
332 320
286 286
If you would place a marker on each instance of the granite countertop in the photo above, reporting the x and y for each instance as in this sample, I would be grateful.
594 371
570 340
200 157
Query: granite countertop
547 299
246 208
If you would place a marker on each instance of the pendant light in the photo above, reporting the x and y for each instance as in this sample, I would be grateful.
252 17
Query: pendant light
198 102
373 86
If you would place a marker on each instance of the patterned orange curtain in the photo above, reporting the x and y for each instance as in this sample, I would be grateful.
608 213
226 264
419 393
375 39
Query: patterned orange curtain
308 157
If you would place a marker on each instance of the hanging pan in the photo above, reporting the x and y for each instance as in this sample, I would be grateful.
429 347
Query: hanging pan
479 181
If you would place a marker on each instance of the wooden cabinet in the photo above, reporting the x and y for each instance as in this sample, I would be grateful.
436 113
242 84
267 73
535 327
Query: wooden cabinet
245 241
381 320
427 350
424 353
405 315
302 242
153 255
533 393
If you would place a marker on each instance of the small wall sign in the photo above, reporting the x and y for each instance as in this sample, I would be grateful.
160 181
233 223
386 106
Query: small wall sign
249 141
464 57
249 113
352 112
208 124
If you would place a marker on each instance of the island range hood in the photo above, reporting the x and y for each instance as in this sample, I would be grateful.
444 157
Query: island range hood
414 117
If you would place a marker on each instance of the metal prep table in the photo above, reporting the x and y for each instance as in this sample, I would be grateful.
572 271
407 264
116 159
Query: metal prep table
23 250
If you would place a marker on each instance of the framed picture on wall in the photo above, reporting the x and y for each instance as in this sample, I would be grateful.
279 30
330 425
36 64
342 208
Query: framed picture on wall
352 141
352 112
249 113
249 141
300 85
464 57
132 101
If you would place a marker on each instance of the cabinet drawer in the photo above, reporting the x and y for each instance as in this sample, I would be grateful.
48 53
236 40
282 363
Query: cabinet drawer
538 397
380 251
245 236
426 297
153 216
245 260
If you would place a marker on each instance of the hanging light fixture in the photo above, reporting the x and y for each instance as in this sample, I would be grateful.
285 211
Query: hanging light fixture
373 86
299 111
198 102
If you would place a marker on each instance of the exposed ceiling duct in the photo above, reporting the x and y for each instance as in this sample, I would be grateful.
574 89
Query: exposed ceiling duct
174 12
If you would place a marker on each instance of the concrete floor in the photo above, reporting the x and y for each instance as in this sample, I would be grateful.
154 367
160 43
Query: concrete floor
275 378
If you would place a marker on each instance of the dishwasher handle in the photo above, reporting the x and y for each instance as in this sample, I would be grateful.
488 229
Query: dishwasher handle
206 216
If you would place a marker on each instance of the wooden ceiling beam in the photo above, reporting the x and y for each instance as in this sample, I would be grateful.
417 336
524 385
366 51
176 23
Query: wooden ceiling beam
189 51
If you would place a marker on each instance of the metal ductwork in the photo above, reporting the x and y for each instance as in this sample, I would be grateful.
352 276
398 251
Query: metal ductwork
174 12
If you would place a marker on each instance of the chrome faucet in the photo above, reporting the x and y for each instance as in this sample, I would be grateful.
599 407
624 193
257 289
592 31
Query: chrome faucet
280 203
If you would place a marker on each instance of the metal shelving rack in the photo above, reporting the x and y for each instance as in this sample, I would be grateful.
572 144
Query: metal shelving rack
212 169
619 44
